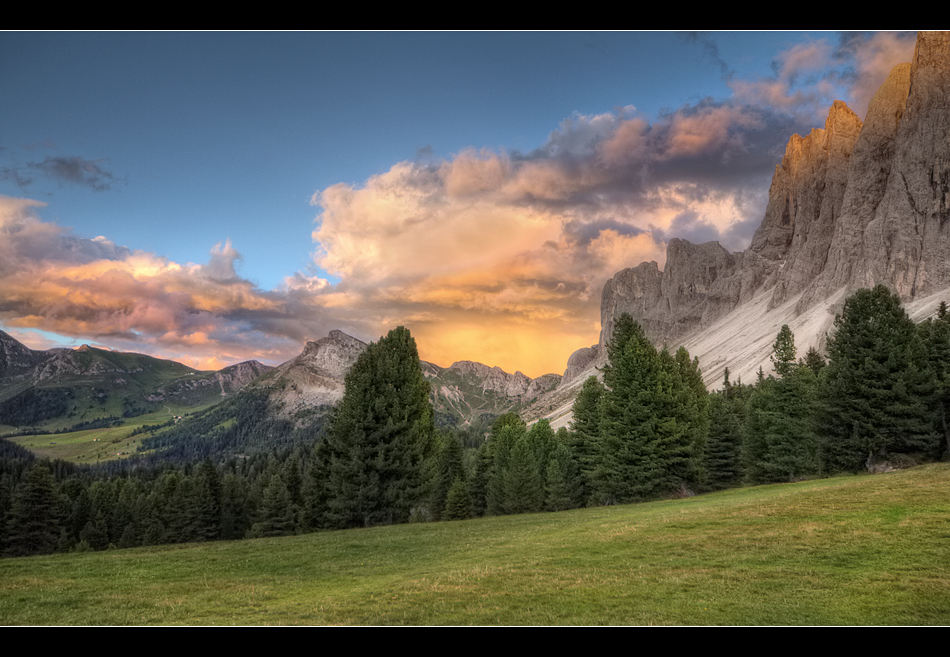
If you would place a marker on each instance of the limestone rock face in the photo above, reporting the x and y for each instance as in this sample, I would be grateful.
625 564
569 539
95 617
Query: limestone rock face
870 168
850 205
670 302
317 377
805 202
579 361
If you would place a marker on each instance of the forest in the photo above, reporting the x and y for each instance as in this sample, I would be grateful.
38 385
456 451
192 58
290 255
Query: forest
877 399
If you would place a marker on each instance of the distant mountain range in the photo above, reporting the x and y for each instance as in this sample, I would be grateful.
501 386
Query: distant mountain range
68 386
851 205
60 387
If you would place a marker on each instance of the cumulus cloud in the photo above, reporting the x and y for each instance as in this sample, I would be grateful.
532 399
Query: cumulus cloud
489 255
92 289
507 241
488 243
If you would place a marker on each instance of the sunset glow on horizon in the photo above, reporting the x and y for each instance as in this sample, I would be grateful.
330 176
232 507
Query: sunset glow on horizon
218 197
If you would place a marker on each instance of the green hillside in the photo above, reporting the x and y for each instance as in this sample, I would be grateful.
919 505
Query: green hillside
860 550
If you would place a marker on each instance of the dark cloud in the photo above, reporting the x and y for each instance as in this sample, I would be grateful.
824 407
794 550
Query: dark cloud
581 234
710 51
16 176
77 171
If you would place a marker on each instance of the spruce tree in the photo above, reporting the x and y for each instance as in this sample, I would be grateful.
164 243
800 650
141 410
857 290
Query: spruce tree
380 436
781 443
876 395
936 337
34 521
783 351
626 466
585 433
458 503
723 453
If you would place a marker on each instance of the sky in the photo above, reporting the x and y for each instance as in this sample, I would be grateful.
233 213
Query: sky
218 197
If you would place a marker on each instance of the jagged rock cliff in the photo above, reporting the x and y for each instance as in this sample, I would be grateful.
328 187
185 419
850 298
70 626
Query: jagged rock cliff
851 205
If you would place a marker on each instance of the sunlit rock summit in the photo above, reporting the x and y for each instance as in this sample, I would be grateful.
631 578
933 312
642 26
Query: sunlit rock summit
851 205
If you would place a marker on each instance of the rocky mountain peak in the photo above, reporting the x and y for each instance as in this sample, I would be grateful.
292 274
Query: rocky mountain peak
853 204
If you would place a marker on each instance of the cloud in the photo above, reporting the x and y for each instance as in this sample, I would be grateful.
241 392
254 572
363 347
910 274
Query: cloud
73 170
77 171
809 76
507 241
490 255
92 289
870 58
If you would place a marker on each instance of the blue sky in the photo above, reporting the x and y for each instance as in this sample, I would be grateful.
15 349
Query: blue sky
242 193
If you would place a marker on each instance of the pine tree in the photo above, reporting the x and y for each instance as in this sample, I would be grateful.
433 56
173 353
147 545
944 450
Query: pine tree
653 422
626 465
876 396
585 431
814 361
936 337
783 351
380 436
781 443
448 467
524 488
35 516
458 504
723 453
278 517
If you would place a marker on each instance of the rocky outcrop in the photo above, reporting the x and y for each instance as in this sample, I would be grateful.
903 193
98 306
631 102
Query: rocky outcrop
468 389
316 377
15 357
224 382
851 205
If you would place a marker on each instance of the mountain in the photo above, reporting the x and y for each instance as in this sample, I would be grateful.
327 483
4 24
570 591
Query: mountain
851 205
464 391
72 385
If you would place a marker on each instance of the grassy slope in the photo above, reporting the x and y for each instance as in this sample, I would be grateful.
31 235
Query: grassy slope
95 445
866 550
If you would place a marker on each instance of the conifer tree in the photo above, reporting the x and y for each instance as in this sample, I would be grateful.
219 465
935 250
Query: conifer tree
626 466
876 397
585 431
814 361
781 443
458 505
783 351
524 488
448 467
936 337
380 436
34 523
723 453
501 445
278 517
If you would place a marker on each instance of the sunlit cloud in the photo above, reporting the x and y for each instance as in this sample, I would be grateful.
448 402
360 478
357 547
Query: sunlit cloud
496 255
91 289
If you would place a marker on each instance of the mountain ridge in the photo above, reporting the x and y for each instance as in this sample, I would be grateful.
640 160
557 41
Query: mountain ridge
850 205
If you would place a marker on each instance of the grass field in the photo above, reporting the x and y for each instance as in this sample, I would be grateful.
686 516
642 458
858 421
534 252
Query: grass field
869 550
96 445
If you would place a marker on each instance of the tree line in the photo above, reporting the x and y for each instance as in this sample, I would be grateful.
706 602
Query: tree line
649 429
